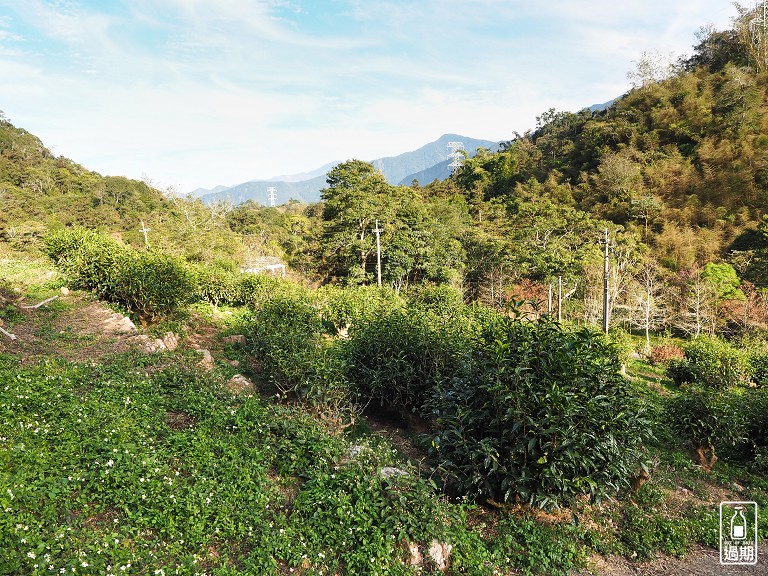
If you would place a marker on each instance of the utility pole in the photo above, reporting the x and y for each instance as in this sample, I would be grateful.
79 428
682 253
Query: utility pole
606 319
559 298
378 251
144 231
549 300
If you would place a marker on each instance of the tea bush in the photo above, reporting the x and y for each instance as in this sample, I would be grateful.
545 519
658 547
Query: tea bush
91 260
344 307
441 299
255 289
216 284
145 282
711 363
623 343
151 283
758 360
706 420
284 334
750 407
397 359
540 414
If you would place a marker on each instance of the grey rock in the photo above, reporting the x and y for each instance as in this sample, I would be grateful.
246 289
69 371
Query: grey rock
170 341
392 472
207 361
440 553
240 384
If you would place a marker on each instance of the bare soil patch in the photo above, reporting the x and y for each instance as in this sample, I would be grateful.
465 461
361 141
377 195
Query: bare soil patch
699 562
75 327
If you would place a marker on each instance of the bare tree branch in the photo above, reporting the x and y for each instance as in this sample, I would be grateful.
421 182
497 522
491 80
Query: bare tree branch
11 336
39 303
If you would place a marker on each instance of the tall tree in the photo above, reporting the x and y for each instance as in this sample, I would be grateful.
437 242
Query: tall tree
352 202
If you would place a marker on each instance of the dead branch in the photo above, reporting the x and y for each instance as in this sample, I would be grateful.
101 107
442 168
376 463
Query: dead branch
11 336
39 303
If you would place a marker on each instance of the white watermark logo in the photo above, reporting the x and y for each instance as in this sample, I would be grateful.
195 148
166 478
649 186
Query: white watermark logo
738 533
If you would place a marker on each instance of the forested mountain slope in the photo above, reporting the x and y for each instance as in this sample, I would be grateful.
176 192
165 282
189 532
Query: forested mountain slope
39 191
683 162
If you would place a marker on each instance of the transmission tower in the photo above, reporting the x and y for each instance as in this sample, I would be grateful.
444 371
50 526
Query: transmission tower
272 195
455 155
758 28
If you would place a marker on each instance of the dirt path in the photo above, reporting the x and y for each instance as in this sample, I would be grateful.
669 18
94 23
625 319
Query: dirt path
699 562
74 327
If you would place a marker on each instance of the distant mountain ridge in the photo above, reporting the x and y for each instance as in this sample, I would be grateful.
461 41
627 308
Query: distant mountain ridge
424 164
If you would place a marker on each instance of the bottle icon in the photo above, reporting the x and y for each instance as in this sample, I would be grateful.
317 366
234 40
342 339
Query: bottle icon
738 524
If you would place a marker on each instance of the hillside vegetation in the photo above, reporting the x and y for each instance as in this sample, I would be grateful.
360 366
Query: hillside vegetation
521 443
675 170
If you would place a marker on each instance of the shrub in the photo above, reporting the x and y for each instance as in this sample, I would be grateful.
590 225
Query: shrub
151 283
758 360
441 299
711 363
399 357
284 334
216 285
679 371
706 420
539 414
751 407
623 342
145 282
343 308
91 261
256 289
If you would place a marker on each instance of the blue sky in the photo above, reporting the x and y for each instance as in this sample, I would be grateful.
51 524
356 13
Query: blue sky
197 93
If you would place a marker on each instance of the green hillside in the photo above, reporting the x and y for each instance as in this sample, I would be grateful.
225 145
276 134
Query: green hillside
446 421
40 192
